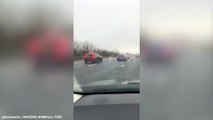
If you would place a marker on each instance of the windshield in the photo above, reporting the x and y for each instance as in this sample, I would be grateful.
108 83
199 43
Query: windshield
107 38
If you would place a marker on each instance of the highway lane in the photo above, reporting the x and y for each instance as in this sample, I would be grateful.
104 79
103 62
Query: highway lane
109 69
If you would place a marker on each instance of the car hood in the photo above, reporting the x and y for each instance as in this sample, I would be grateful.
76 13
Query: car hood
109 86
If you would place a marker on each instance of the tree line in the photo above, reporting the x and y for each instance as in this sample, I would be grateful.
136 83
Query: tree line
81 48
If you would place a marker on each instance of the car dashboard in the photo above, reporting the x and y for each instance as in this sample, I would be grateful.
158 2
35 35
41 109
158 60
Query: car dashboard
107 107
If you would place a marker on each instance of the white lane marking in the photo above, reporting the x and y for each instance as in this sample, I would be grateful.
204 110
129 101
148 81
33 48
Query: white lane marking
91 65
122 65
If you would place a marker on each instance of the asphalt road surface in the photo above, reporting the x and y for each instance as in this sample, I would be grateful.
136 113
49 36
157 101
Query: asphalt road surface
109 69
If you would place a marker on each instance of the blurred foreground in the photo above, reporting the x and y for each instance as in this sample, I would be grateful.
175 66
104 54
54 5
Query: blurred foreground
35 58
178 87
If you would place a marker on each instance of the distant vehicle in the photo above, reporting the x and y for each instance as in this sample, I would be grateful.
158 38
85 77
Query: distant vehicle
92 57
121 58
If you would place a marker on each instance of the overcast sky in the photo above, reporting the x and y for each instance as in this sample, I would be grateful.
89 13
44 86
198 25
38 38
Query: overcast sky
108 24
191 18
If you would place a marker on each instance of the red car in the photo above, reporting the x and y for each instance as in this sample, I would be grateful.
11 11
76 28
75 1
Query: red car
92 57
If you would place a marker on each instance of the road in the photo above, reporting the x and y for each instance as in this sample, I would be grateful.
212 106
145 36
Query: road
109 69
